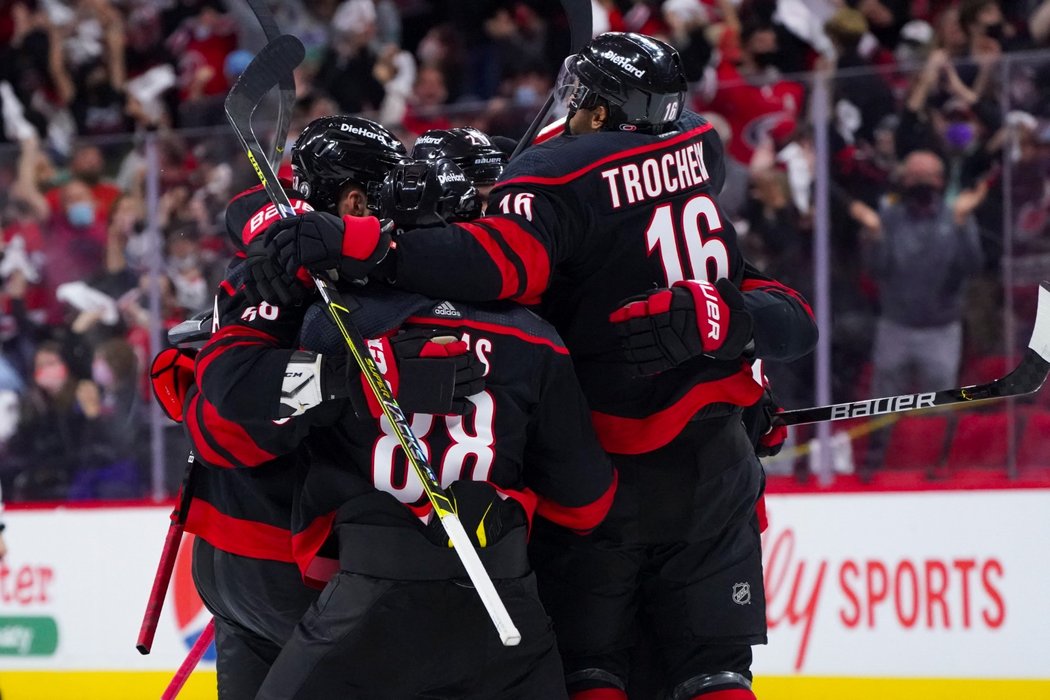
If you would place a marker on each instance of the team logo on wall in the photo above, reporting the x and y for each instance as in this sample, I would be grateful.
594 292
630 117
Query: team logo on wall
190 614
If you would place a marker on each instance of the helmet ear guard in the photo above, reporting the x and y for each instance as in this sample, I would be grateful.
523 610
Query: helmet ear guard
422 193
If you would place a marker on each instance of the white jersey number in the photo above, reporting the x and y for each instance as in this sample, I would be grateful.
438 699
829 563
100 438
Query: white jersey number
699 253
472 440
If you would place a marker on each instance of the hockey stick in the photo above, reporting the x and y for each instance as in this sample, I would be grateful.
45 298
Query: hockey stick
286 84
1026 378
279 57
190 662
581 26
165 566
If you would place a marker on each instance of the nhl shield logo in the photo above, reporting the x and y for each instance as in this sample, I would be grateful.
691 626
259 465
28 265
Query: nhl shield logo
742 593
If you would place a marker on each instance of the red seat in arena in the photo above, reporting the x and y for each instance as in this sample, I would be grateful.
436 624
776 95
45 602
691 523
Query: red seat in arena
1034 450
984 369
981 442
916 442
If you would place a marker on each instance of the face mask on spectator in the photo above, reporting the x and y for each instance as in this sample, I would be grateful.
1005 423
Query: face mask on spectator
191 294
994 31
185 263
102 374
81 214
921 195
51 377
526 95
960 135
764 59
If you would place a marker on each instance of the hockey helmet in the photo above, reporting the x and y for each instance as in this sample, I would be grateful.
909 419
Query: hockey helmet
470 149
422 193
638 78
334 152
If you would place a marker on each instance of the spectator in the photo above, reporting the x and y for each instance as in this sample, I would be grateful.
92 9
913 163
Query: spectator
185 269
862 96
884 18
751 95
346 70
88 165
921 258
87 65
127 220
50 428
112 402
429 93
202 42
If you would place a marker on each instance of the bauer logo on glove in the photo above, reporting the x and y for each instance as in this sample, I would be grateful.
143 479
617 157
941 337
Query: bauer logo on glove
666 327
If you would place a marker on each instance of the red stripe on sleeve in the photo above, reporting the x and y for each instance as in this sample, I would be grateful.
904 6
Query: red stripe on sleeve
584 518
246 538
200 444
508 273
234 439
533 255
751 284
632 436
209 352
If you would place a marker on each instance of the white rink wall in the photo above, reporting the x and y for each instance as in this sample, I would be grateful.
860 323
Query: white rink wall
931 585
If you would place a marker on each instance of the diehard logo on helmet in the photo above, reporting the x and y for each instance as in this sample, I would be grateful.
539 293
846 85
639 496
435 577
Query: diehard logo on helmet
426 138
624 63
451 177
367 133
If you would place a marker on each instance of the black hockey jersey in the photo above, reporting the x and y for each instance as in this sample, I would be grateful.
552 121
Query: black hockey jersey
587 221
529 435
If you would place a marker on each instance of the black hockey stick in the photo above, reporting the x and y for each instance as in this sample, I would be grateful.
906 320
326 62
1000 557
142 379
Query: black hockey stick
280 57
286 84
1026 378
581 25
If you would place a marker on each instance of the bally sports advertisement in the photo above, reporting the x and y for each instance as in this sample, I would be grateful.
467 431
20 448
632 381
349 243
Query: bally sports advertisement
924 595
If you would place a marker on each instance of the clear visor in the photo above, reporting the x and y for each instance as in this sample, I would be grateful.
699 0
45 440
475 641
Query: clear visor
566 98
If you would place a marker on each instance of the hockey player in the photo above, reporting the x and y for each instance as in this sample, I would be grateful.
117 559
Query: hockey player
240 493
614 226
526 447
472 150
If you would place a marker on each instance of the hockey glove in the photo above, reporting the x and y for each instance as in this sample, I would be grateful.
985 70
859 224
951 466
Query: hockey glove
767 434
268 282
429 373
666 327
321 242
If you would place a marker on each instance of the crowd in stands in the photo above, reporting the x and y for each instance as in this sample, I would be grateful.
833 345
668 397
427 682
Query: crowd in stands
960 87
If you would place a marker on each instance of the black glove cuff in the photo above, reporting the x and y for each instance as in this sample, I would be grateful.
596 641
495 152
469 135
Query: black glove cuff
427 385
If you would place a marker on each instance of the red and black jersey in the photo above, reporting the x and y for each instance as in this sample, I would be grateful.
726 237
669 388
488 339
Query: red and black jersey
529 435
585 222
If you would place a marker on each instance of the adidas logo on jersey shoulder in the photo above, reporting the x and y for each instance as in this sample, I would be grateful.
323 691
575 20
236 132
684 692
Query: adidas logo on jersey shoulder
446 309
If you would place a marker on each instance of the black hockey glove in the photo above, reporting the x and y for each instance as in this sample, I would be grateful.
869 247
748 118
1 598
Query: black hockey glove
666 327
427 373
767 434
268 282
317 242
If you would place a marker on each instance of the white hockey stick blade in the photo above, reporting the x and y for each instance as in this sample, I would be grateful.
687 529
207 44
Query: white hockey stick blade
508 633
